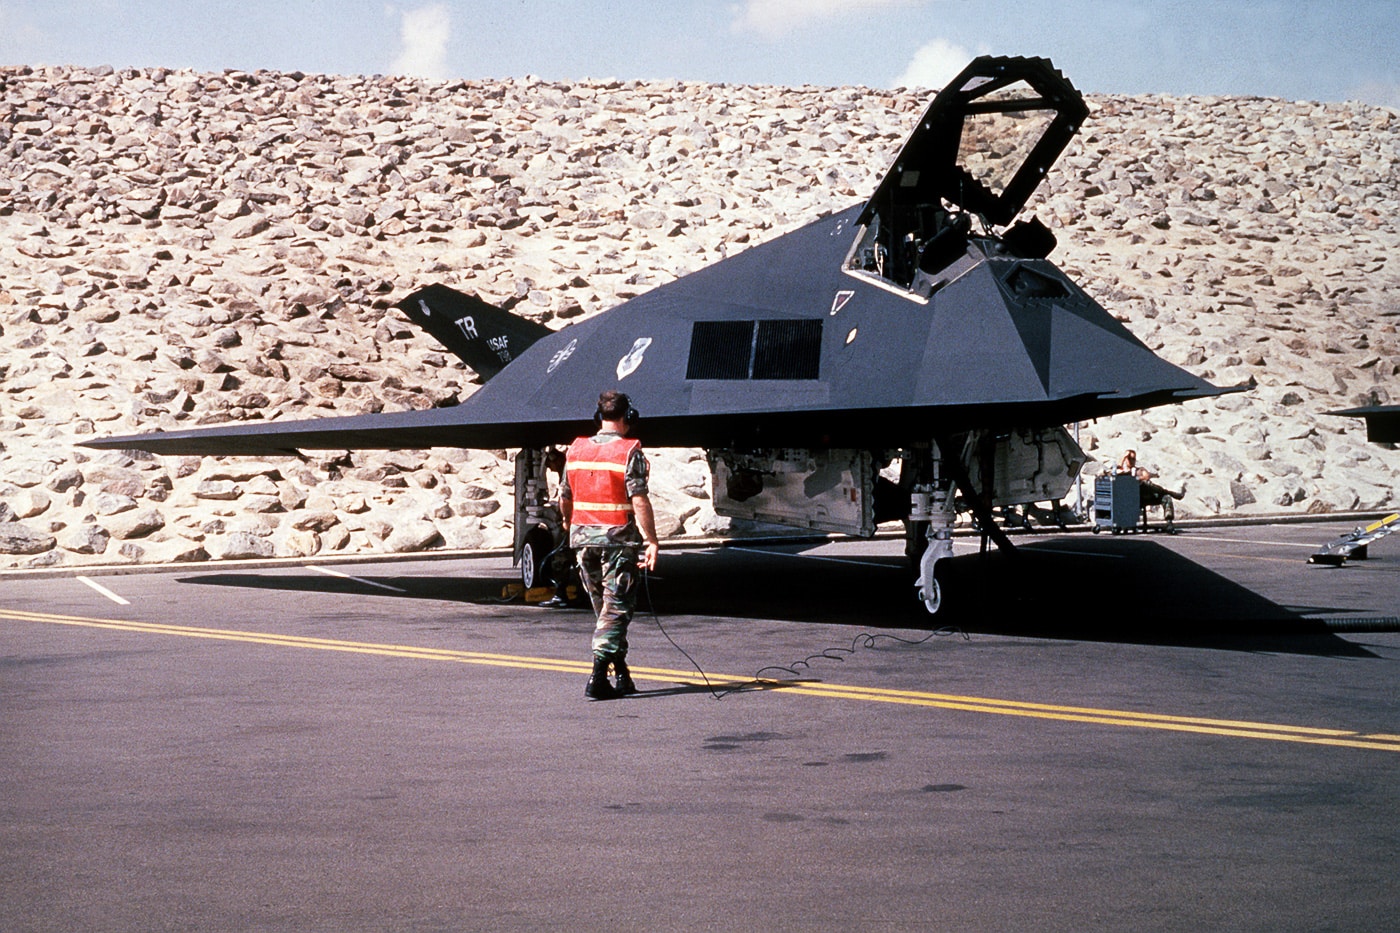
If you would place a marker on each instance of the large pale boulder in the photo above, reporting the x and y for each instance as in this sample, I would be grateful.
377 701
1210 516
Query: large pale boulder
17 538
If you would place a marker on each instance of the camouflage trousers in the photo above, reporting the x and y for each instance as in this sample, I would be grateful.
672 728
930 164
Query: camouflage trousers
610 577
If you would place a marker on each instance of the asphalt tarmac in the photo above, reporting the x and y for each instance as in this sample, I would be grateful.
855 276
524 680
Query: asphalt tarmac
1143 732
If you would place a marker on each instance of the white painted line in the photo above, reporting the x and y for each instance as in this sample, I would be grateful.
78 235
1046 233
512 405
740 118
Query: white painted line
1051 549
345 576
835 560
1211 537
104 591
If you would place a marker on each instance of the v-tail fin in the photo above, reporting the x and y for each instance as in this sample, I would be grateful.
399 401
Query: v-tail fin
481 335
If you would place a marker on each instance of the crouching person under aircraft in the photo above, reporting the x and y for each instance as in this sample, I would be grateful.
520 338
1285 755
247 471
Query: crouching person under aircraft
611 527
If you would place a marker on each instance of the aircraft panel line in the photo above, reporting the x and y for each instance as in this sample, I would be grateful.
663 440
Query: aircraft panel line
1233 728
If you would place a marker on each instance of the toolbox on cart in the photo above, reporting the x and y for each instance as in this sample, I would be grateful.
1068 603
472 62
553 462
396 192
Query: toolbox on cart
1117 502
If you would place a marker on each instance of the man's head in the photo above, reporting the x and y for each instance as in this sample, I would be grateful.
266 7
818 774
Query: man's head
615 406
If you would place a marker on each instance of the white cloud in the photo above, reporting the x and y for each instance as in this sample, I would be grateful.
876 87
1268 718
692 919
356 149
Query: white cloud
934 65
423 39
774 18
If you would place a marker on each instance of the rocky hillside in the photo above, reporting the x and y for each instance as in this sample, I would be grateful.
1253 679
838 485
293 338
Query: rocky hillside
179 249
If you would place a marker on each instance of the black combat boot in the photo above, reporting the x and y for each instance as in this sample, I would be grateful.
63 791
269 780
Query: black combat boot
599 687
625 686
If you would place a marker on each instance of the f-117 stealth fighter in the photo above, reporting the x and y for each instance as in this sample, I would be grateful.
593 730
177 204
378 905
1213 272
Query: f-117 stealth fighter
924 328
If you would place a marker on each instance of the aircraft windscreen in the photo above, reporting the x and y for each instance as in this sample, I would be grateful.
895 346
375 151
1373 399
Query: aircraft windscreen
1000 131
982 148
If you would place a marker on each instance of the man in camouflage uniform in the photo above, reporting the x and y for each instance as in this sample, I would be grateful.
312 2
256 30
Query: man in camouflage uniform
612 529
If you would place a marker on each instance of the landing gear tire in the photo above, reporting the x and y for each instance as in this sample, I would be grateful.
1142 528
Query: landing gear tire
928 587
533 554
932 596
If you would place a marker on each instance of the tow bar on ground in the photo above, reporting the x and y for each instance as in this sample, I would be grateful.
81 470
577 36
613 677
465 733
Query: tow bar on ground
1354 544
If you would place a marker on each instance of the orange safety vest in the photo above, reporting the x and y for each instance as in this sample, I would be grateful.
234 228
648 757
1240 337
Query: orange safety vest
598 480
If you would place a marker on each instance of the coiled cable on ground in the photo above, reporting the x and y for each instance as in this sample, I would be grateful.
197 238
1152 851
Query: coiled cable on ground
839 653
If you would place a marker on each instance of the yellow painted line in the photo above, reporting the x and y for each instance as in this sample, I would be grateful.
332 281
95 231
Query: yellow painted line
1233 728
297 641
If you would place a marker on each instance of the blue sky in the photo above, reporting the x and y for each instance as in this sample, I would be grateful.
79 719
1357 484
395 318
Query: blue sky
1295 49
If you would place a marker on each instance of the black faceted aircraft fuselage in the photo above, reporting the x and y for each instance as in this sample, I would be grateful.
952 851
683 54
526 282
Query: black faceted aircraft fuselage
925 329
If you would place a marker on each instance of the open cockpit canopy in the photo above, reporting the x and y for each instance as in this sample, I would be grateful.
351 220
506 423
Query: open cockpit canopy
980 150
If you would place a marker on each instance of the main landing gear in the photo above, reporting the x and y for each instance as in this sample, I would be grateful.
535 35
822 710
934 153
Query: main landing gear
933 475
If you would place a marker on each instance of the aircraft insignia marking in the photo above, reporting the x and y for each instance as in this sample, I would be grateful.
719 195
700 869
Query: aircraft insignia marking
629 363
841 298
562 355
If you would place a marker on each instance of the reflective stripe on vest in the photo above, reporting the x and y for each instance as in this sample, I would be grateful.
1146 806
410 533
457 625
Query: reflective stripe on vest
598 480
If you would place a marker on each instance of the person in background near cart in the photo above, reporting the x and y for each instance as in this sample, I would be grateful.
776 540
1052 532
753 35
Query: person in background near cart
608 515
1150 492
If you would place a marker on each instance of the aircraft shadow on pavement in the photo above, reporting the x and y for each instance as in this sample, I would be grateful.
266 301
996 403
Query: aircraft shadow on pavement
1115 590
1131 591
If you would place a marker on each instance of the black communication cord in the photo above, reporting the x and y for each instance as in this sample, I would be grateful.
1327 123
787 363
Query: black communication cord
866 640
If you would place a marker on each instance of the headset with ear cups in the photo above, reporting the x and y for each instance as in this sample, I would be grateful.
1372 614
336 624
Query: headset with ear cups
630 418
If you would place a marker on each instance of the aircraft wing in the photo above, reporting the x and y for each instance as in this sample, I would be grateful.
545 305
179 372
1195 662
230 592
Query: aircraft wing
1382 422
875 327
745 352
